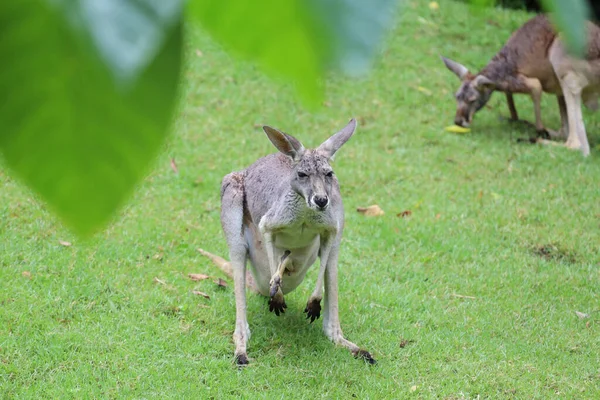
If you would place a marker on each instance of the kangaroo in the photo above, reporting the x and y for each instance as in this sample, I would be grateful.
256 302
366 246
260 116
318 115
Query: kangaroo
281 213
580 82
534 60
521 66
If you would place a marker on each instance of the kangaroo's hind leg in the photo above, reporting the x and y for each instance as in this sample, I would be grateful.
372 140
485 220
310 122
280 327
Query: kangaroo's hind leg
331 319
232 214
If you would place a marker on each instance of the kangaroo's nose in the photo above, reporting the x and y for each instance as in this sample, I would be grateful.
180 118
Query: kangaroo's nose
459 121
321 201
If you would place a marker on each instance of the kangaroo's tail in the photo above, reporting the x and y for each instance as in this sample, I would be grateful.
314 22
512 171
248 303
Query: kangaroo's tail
227 268
223 264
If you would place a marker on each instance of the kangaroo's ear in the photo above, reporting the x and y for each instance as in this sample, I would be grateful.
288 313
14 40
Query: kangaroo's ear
459 70
331 145
287 144
482 82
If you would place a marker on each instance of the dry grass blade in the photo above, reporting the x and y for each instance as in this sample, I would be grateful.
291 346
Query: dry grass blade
462 296
582 315
198 293
174 166
64 243
159 281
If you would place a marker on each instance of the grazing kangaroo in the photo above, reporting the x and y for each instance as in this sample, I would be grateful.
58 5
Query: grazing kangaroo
521 66
533 61
281 213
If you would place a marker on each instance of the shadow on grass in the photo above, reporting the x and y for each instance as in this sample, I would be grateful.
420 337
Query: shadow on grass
551 252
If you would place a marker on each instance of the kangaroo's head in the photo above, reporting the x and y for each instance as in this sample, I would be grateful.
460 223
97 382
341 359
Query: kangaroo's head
473 93
311 177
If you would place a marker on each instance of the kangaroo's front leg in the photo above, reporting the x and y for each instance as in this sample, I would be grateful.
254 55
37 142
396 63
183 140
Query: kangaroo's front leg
313 306
275 285
276 302
331 320
511 107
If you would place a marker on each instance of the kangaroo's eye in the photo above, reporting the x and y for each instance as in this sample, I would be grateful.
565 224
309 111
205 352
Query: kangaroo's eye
301 175
329 174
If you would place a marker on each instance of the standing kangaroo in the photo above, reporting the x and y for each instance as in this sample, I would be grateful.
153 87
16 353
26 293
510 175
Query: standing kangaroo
281 213
533 61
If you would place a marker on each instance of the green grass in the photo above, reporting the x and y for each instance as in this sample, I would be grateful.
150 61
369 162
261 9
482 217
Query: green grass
513 226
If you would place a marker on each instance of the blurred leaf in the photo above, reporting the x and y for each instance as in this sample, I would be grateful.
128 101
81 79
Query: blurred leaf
298 39
570 17
78 136
125 34
356 28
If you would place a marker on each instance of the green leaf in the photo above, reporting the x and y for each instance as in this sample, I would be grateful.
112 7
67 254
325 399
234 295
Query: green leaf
125 34
76 127
298 39
355 28
570 17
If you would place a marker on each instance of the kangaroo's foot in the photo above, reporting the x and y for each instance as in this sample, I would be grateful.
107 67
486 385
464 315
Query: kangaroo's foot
241 335
572 145
241 359
334 332
542 135
364 355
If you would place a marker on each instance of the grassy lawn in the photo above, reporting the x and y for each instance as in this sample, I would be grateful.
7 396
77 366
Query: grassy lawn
473 295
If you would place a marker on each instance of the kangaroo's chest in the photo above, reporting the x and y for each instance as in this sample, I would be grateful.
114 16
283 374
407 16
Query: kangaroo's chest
297 237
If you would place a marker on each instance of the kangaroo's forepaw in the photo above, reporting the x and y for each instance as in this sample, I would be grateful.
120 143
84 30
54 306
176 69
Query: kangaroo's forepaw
365 355
313 309
241 359
277 303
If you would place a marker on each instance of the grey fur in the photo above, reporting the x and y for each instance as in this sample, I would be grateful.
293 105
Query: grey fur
281 213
